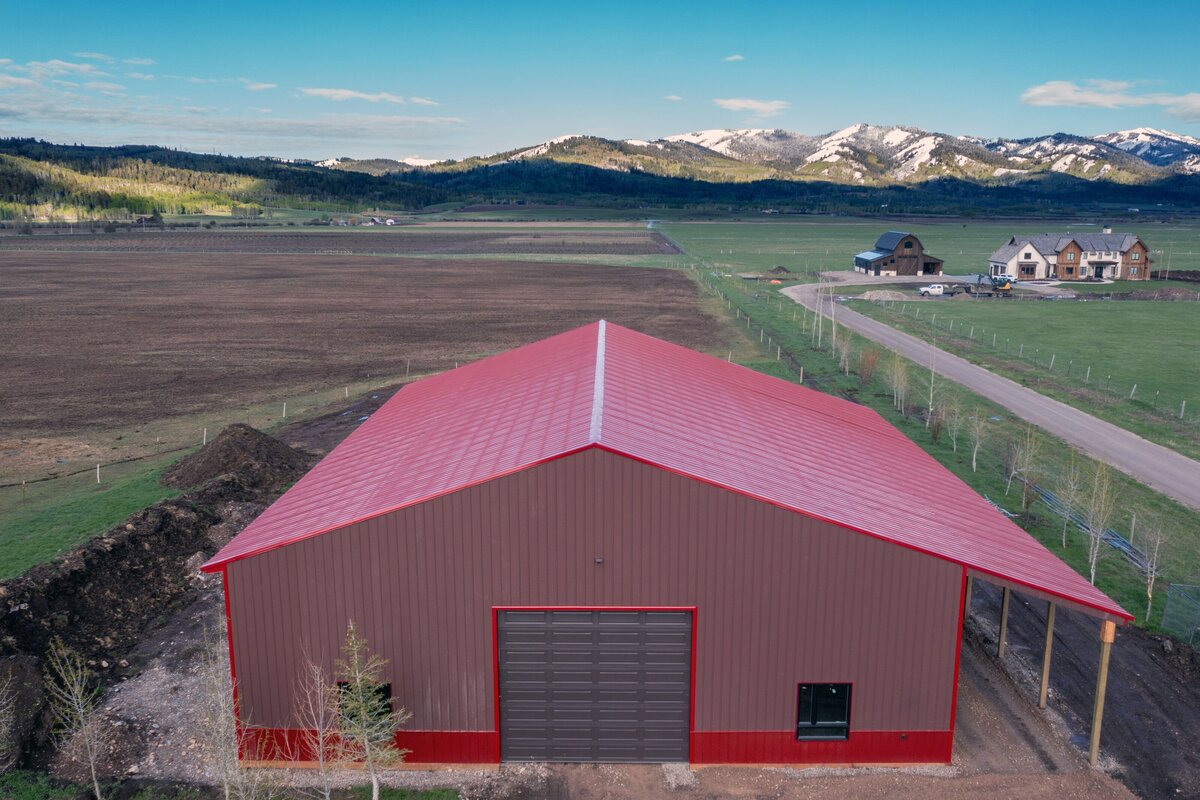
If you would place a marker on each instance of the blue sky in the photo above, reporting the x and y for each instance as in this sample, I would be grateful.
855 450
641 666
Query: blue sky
447 80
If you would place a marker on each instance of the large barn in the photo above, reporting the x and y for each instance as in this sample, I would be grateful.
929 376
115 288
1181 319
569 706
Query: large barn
605 547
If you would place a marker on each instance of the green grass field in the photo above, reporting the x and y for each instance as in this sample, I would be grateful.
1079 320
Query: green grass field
827 243
1099 350
41 520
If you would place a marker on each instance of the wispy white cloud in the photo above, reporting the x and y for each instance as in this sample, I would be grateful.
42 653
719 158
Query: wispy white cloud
105 86
256 86
759 108
734 57
1098 93
55 66
161 121
107 59
140 62
353 94
674 98
4 62
13 82
139 76
423 101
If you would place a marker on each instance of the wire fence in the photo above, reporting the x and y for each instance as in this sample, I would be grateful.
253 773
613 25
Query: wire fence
1083 376
1181 615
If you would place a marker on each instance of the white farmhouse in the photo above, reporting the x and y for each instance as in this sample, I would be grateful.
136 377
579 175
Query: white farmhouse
1073 257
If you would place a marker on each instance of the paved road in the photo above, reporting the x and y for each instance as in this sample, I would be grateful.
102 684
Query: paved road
1165 470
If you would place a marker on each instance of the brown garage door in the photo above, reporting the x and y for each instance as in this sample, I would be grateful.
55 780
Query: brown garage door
594 685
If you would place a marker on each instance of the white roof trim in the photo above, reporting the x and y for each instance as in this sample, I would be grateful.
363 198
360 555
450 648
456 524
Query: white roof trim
598 387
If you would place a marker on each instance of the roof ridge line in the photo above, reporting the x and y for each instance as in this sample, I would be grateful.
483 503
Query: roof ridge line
598 388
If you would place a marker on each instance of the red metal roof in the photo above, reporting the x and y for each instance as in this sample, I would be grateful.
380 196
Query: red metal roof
607 386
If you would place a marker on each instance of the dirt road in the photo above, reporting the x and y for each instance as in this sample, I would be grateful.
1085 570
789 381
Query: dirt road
1165 470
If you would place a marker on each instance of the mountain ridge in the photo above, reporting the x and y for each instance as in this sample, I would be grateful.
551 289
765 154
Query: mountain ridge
859 154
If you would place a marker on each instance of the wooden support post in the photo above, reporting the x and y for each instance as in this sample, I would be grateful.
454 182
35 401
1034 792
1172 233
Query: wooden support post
1003 622
1045 688
1108 632
967 601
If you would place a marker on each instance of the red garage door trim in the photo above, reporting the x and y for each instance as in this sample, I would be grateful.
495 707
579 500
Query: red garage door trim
496 656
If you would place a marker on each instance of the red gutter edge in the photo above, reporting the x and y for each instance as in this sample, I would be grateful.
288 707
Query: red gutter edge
962 622
237 706
1121 613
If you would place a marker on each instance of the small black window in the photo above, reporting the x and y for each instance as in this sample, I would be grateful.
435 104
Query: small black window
823 711
908 244
1028 256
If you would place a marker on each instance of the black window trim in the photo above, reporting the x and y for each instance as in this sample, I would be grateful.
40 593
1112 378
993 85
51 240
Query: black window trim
811 730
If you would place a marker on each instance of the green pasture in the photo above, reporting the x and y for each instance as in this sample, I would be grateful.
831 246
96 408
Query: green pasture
830 243
41 520
1089 354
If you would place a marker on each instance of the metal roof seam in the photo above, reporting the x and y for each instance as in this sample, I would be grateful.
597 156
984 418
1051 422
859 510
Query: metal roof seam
598 387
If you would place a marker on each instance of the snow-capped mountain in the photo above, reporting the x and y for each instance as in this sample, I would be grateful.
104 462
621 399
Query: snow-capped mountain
860 154
863 153
1159 147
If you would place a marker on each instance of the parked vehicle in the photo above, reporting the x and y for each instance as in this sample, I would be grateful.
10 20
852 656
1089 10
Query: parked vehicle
974 285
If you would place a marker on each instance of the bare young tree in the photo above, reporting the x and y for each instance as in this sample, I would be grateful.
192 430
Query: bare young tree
845 352
952 414
367 723
1021 460
977 429
868 360
1155 538
74 700
8 719
317 712
897 376
933 387
222 736
1101 505
1070 485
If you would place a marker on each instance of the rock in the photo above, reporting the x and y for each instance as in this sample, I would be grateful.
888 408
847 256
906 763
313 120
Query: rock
1167 646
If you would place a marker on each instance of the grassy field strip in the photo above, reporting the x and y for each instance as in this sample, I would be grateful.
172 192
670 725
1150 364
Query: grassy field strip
829 244
773 321
173 434
41 520
1132 363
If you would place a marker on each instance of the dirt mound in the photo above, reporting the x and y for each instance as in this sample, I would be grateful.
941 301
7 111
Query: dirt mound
884 294
241 450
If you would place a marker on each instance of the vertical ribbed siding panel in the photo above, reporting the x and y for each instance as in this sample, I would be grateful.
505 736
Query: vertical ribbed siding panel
781 598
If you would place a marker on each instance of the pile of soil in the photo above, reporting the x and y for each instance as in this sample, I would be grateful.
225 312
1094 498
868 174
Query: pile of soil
884 294
240 450
102 596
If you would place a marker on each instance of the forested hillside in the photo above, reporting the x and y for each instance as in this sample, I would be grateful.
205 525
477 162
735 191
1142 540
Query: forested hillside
39 180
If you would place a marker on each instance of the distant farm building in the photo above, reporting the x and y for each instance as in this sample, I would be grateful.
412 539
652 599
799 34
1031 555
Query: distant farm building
598 547
1073 257
897 253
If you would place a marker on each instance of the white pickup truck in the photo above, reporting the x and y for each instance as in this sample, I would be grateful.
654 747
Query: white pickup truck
932 290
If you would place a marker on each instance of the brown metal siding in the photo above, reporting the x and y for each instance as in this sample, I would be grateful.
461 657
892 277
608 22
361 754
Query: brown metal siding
781 598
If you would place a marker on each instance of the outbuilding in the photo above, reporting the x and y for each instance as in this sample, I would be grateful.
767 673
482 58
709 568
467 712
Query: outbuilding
605 547
897 253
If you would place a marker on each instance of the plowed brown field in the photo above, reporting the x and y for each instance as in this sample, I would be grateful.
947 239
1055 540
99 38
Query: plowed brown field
105 339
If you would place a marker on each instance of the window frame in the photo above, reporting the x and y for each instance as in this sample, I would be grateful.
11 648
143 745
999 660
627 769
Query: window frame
812 730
